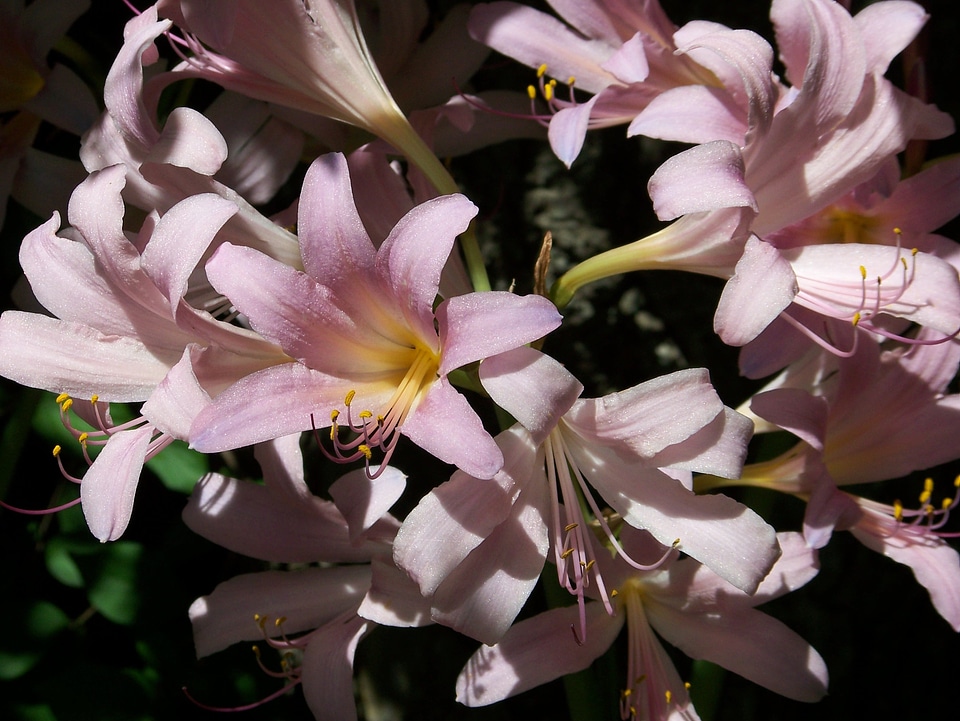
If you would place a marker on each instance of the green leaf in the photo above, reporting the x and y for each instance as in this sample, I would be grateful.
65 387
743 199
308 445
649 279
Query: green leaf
113 588
178 467
28 639
60 561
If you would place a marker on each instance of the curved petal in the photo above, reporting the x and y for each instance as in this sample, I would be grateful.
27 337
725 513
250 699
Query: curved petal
762 286
454 518
364 501
532 387
258 522
480 325
110 484
446 426
535 651
328 670
228 615
412 257
749 643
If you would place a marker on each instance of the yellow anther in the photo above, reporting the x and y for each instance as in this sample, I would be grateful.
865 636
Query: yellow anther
542 70
686 685
256 651
588 565
334 414
676 542
63 397
668 695
571 81
904 262
627 692
66 405
898 511
257 617
863 272
349 398
531 92
261 620
56 451
365 415
566 554
928 484
94 398
569 527
897 231
83 438
947 502
614 592
856 318
365 450
548 92
279 621
914 251
956 482
380 420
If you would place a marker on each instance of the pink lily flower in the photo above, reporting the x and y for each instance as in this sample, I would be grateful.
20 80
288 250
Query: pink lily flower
623 54
687 605
188 155
880 416
328 607
120 326
311 57
636 448
361 325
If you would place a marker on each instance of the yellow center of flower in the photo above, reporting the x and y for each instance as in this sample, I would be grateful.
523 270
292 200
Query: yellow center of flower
381 430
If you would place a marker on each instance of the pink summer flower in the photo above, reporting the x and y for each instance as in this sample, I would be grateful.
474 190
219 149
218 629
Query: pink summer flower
635 448
313 617
119 326
683 602
371 352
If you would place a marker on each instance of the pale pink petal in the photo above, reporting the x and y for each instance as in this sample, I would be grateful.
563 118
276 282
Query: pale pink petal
364 501
749 643
480 325
705 177
935 564
304 318
189 140
691 114
762 286
228 614
454 518
535 38
412 257
274 402
532 387
110 484
394 599
328 223
178 399
568 130
483 595
446 426
534 652
281 461
925 201
43 352
629 63
251 519
721 533
179 241
328 670
794 410
886 29
651 416
718 448
263 150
